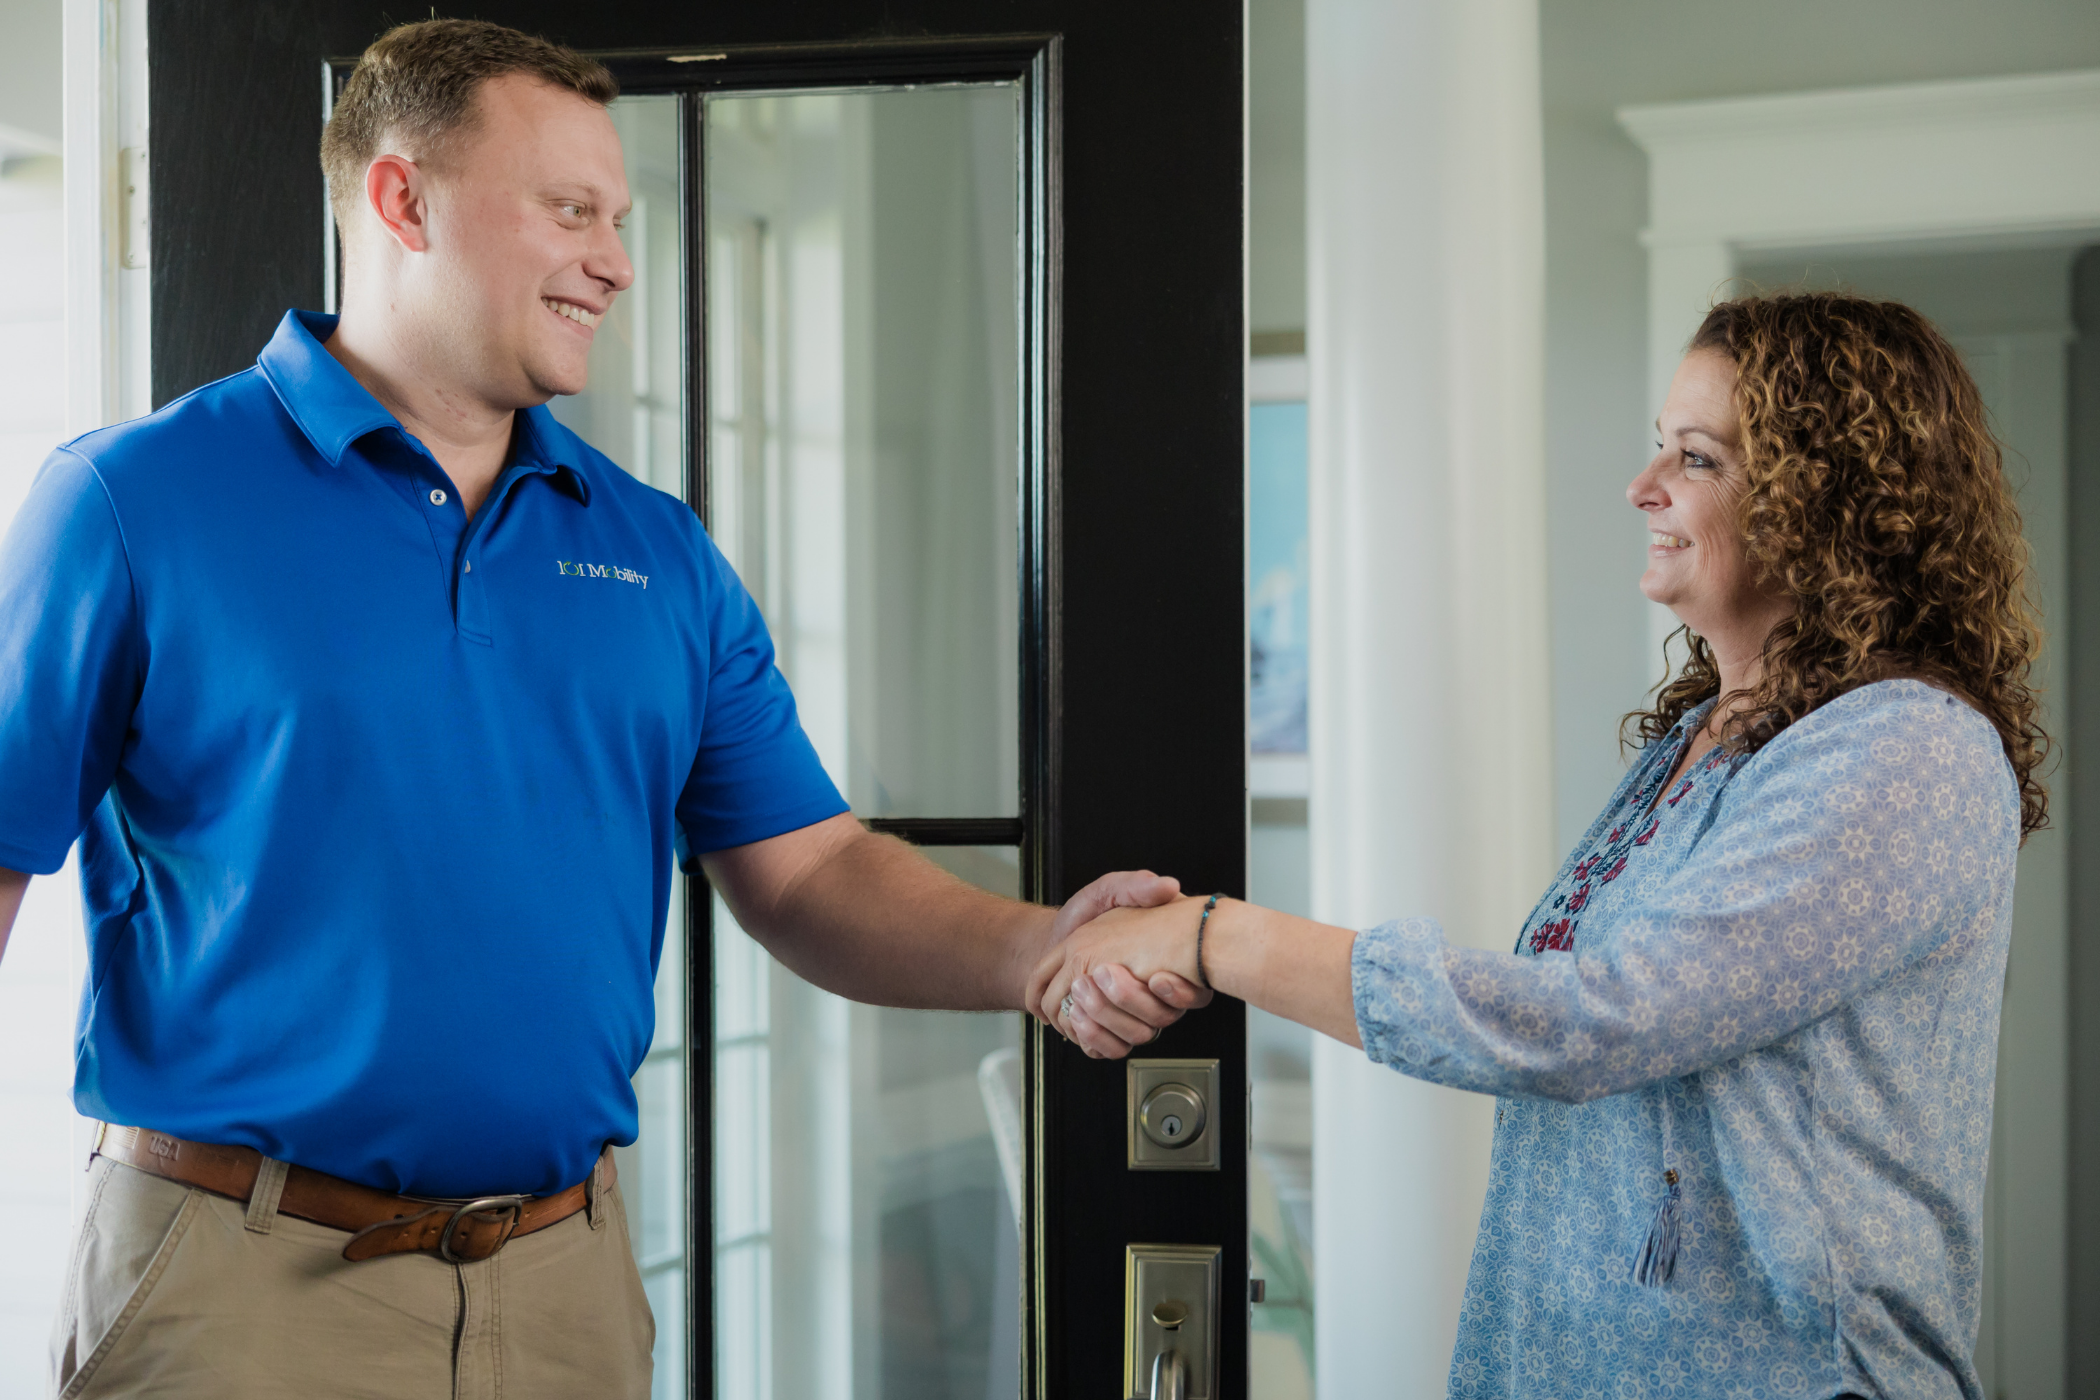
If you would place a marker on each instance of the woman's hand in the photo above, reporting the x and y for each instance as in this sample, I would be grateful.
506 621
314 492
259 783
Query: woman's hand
1129 974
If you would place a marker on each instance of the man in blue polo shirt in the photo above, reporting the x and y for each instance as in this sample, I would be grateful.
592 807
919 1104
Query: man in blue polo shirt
379 703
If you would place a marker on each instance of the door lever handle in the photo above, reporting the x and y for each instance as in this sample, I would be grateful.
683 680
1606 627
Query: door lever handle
1170 1374
1170 1322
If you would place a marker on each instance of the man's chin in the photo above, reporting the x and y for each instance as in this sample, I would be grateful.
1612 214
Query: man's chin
553 384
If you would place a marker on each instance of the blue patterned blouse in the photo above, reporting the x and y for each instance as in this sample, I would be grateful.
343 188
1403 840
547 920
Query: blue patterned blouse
1762 1018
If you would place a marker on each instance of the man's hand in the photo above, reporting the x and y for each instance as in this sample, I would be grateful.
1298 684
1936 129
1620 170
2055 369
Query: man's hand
1140 1016
1121 889
1128 973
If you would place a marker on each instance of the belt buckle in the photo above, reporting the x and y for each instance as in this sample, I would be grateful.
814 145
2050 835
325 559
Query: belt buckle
481 1205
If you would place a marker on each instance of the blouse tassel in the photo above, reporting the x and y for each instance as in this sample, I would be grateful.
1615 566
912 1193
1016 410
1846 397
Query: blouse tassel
1658 1257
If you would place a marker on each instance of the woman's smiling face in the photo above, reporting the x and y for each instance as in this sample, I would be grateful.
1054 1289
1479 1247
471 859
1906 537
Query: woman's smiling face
1696 564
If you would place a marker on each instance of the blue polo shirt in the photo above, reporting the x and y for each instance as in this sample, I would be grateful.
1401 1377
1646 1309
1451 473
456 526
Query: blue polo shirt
378 806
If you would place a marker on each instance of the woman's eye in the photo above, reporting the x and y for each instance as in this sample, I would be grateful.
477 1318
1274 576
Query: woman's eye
1693 459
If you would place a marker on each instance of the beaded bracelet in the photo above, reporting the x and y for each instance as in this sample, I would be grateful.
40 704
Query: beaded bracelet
1202 977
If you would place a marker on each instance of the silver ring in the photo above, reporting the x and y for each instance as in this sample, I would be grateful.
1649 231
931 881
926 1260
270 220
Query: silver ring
1064 1008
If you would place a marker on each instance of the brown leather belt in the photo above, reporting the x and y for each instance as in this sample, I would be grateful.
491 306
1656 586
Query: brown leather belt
379 1222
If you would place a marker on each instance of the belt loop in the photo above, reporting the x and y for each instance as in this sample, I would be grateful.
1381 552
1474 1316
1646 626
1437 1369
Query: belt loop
594 1190
262 1202
95 1147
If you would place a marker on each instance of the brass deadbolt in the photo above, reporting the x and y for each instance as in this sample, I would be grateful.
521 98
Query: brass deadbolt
1172 1115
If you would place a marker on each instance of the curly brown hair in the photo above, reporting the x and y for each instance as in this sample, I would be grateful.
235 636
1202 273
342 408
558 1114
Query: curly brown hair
1876 500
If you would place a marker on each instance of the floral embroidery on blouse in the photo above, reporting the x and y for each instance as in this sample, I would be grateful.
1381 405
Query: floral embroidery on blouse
1608 861
1780 1019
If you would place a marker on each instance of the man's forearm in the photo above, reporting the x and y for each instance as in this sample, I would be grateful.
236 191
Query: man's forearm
12 885
870 918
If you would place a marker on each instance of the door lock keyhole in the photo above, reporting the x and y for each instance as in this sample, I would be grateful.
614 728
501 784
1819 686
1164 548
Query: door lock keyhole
1174 1119
1172 1115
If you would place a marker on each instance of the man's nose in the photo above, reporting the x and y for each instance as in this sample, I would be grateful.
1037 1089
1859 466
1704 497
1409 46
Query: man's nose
609 262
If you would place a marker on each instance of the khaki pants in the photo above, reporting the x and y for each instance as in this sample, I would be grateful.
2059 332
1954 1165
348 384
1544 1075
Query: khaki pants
177 1294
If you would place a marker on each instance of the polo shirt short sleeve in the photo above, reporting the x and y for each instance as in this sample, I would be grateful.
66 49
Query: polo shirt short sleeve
69 663
377 806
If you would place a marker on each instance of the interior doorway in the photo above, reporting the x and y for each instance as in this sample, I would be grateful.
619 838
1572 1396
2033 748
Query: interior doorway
2009 312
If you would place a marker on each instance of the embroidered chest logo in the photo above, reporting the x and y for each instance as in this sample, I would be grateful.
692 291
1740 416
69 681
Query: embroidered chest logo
573 570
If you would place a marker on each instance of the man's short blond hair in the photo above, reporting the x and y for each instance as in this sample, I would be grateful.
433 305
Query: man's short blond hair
417 83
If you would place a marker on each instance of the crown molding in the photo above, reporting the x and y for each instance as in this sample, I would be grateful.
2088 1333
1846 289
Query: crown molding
1983 158
1905 106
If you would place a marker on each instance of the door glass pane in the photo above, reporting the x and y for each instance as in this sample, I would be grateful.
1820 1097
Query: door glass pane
866 1165
863 386
863 479
633 412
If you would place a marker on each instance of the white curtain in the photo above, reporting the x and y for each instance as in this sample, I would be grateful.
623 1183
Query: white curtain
1430 719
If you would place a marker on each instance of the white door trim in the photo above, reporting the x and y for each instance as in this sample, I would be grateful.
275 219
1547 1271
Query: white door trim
108 340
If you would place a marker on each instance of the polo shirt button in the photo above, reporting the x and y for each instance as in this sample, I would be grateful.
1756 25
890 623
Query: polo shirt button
437 497
470 566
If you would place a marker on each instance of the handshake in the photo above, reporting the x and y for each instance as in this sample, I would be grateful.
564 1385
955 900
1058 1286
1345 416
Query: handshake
1122 964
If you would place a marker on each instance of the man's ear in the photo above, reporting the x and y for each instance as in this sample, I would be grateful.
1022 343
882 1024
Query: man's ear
394 192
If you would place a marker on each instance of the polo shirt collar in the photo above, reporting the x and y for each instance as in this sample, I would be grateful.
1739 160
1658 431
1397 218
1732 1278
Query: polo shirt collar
323 398
334 410
541 444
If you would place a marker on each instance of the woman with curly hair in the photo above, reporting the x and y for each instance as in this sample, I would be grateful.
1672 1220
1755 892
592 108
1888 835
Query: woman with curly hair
1743 1049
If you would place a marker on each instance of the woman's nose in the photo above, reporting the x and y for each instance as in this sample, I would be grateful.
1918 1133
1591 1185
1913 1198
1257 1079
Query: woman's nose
1645 491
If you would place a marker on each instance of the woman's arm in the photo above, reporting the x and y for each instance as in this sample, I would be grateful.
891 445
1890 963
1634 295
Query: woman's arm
1291 966
1860 840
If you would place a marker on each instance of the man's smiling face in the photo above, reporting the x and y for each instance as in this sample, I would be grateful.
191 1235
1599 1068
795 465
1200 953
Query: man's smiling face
525 222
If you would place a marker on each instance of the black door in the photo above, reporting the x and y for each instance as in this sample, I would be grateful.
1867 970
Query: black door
1032 243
